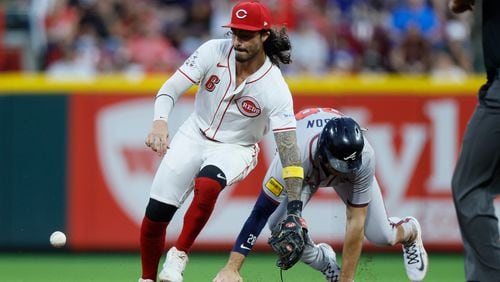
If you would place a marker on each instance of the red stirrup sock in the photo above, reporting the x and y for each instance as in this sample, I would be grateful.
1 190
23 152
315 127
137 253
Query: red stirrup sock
152 246
206 191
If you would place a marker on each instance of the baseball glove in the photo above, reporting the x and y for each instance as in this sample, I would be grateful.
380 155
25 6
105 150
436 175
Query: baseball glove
288 242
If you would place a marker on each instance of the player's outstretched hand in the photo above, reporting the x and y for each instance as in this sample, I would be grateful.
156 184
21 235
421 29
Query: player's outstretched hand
157 139
460 6
228 275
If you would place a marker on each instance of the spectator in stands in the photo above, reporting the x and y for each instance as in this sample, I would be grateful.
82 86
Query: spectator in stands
375 57
414 14
61 25
147 46
361 35
310 52
445 68
73 64
456 39
413 54
2 27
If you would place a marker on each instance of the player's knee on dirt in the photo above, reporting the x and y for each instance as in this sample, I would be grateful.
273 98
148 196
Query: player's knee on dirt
160 212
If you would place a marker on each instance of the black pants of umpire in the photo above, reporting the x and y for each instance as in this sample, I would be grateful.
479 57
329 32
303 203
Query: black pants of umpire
475 185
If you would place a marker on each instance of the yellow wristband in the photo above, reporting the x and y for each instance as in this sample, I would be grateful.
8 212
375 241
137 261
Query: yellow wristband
293 171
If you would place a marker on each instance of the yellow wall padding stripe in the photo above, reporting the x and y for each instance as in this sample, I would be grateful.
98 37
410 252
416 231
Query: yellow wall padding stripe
332 85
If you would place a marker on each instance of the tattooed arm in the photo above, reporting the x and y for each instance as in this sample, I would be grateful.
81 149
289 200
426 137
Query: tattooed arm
288 151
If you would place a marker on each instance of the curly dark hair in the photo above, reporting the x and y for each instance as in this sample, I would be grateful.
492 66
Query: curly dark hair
278 47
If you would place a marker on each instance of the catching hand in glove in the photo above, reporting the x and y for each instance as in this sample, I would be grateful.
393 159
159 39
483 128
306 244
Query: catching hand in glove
288 241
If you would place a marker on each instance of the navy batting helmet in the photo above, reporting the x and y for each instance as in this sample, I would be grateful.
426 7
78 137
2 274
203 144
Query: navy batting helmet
340 144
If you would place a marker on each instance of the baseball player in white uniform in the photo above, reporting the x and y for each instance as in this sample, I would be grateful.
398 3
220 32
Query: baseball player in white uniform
241 96
335 154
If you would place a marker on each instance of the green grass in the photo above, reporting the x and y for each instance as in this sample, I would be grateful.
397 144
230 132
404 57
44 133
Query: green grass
55 267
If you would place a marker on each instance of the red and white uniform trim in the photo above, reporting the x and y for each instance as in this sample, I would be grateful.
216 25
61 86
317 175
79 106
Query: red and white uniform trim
229 113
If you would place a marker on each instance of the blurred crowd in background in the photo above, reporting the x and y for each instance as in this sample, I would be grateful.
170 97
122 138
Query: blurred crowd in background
88 37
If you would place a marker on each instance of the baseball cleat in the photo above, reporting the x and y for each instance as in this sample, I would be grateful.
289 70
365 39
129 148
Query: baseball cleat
332 270
174 266
414 254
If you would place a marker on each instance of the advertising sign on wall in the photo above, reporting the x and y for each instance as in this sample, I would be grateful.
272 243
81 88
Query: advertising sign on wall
416 141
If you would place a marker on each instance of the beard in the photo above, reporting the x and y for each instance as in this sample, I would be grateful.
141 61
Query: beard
244 56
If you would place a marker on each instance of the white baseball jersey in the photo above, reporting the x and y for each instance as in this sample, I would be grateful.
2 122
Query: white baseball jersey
354 188
238 114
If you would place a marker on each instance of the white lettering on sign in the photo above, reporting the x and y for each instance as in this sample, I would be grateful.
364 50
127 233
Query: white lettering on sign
395 170
444 132
400 147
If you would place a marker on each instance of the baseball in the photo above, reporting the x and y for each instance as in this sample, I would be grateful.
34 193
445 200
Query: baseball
57 239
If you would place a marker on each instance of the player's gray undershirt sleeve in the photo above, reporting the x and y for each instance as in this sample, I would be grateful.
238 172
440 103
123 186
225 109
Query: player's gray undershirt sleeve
363 181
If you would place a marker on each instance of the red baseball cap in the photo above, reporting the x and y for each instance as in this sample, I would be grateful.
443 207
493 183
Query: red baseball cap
251 16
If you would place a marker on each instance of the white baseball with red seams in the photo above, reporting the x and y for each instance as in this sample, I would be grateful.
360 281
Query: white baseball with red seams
58 239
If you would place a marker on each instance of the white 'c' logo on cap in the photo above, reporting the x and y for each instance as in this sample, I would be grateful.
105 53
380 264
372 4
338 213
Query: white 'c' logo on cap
241 14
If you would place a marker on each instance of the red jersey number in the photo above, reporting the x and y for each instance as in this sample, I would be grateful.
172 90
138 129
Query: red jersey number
212 82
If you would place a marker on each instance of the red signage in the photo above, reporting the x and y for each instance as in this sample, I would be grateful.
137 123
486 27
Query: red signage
416 141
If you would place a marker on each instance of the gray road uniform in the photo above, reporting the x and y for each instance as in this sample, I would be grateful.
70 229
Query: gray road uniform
359 188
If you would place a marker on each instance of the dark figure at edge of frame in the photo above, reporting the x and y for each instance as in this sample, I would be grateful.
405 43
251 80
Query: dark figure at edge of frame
476 179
